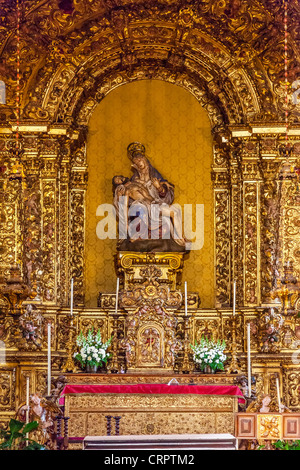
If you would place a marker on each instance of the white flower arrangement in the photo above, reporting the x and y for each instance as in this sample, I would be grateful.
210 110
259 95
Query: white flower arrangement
92 351
209 353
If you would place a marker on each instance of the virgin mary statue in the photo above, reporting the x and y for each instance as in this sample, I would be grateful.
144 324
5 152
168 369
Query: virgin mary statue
148 220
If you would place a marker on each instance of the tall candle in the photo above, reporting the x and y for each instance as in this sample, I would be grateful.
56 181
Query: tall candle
234 296
27 399
249 360
49 360
117 294
27 406
185 297
278 394
72 295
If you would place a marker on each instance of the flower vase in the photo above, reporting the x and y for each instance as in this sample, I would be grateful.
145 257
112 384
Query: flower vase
208 370
91 369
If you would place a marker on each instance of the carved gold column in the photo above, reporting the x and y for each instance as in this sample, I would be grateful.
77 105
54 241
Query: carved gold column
290 215
237 251
251 231
63 287
49 151
32 229
270 218
221 187
78 184
11 206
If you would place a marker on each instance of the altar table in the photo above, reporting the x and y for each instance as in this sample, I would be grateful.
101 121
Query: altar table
146 409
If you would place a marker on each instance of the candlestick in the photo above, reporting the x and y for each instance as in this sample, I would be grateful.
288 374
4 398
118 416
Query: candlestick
117 295
27 400
185 297
249 360
234 366
72 295
186 366
27 406
70 366
114 363
49 360
234 297
278 394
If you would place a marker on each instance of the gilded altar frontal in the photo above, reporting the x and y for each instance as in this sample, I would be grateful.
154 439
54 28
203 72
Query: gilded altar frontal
150 223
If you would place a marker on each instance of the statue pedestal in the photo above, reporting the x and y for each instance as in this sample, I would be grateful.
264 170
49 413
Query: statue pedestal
150 298
163 267
148 303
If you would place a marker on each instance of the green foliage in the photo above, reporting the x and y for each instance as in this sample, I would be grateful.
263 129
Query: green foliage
14 438
287 445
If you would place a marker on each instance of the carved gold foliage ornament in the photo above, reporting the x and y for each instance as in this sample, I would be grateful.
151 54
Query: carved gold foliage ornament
270 220
230 57
288 292
150 322
181 413
269 427
14 292
7 387
251 251
105 36
291 384
222 273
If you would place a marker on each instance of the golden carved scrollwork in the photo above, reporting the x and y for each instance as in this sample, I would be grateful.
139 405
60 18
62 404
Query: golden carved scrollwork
270 220
291 386
229 56
167 267
251 249
210 328
152 413
150 298
237 254
269 427
77 242
32 257
132 32
222 244
290 231
8 384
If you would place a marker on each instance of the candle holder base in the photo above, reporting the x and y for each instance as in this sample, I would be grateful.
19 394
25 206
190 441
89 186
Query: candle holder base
186 366
234 367
70 366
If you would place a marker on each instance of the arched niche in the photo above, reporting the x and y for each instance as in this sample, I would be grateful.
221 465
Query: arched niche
176 131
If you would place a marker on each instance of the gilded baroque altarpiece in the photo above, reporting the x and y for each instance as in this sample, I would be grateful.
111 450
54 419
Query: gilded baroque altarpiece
231 62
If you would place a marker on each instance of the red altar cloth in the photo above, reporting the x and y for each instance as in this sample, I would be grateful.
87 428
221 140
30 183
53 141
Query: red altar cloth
231 390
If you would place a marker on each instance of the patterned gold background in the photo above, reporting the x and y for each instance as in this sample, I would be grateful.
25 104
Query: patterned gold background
177 134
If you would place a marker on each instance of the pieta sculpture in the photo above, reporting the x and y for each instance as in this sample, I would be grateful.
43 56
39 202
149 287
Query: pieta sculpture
148 219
